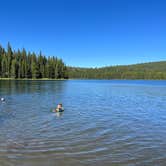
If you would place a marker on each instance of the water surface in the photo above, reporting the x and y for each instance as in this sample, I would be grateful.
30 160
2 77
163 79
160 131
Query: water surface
121 123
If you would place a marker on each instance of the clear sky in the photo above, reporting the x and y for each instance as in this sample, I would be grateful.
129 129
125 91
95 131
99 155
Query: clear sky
87 33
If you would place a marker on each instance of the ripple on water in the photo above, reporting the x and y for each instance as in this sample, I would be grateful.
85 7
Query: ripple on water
104 123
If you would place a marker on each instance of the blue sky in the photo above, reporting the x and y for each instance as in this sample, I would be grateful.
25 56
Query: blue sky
87 33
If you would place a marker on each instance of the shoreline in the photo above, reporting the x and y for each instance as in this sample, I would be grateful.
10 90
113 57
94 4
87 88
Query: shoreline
50 79
32 79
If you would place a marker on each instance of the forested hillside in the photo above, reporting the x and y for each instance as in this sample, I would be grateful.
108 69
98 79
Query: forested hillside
23 64
153 70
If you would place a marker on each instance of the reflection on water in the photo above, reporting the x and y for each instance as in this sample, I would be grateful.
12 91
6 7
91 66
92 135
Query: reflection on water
104 123
57 114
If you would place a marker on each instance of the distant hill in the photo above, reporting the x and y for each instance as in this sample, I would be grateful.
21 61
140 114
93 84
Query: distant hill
22 64
151 70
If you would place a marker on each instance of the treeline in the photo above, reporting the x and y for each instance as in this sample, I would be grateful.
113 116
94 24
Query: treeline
153 70
23 64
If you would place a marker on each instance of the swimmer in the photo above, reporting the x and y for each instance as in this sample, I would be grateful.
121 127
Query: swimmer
59 108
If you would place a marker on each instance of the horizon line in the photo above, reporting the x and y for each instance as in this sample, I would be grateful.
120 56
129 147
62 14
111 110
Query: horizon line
115 65
79 66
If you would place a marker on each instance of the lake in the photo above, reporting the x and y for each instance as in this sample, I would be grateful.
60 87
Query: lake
105 122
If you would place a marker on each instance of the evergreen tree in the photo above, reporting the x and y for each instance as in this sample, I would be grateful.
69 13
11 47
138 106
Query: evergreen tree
14 69
9 58
20 64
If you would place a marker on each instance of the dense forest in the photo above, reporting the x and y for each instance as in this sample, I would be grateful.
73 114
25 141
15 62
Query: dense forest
153 70
23 64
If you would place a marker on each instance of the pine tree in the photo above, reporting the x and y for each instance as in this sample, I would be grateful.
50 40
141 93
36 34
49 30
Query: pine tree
9 58
19 64
14 69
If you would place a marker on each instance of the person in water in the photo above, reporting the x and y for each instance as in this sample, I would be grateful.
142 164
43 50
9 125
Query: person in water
59 108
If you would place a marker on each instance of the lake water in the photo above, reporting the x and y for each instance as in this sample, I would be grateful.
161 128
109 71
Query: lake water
118 123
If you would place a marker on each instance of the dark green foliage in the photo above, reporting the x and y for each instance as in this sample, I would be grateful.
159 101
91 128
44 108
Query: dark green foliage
153 70
23 64
20 64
